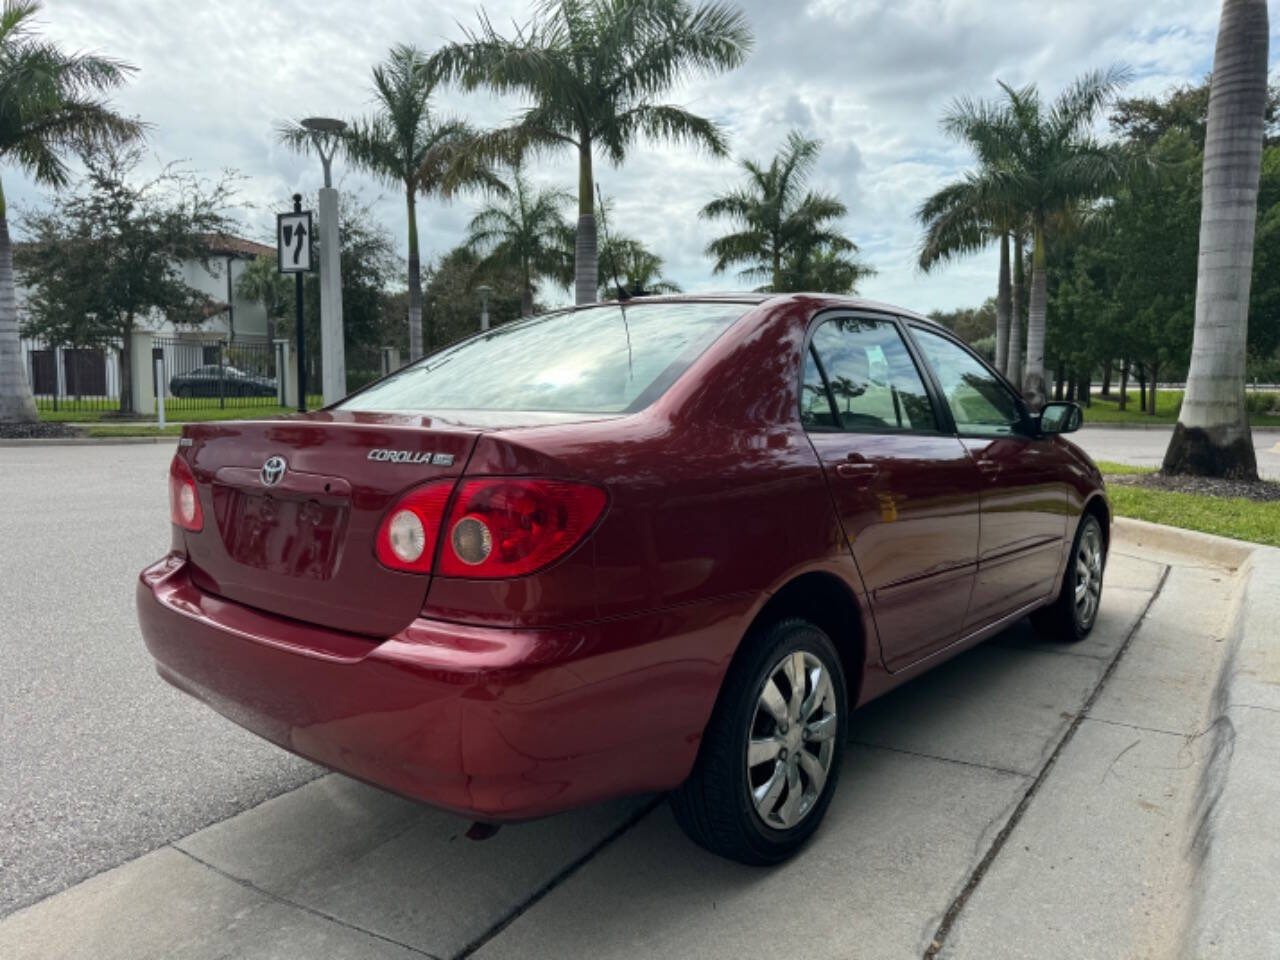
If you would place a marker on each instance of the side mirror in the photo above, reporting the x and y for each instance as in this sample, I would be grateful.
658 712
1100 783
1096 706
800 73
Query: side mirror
1061 418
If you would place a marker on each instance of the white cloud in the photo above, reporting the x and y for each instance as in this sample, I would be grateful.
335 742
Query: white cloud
868 77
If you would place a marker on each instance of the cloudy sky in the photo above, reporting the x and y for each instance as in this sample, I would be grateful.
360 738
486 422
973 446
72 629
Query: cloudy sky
867 77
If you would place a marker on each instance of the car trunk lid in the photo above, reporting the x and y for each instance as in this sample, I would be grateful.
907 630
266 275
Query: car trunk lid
292 509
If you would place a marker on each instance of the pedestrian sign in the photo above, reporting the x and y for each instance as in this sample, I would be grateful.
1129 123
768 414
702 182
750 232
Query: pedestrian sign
293 241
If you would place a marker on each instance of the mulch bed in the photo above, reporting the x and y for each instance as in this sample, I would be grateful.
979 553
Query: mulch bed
1262 491
37 431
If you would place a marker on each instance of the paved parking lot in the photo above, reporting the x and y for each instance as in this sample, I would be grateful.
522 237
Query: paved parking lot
1024 800
102 761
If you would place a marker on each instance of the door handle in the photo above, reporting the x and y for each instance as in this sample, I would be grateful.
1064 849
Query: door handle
989 467
857 470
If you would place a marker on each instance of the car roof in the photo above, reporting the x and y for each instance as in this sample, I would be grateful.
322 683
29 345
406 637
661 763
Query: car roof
754 298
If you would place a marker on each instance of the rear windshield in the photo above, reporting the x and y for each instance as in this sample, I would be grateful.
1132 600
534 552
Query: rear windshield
597 360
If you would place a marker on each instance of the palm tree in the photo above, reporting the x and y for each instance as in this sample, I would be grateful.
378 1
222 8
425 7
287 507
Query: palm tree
593 70
780 223
1041 161
404 144
964 217
637 268
50 103
522 230
1212 437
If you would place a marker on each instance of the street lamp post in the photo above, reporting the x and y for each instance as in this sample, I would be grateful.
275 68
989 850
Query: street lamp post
333 364
484 290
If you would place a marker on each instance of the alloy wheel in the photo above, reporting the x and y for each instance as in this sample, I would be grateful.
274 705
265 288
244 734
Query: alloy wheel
1088 588
792 740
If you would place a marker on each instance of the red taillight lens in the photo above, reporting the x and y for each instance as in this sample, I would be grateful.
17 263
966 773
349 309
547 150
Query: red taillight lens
407 536
184 500
503 527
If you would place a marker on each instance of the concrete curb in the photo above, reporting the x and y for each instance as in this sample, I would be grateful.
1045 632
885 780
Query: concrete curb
82 441
1206 547
1236 848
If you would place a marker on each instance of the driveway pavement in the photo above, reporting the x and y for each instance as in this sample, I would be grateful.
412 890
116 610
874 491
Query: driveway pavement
1146 448
101 761
1024 800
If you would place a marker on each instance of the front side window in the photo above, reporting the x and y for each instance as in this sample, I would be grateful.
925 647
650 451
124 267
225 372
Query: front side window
870 377
980 403
603 359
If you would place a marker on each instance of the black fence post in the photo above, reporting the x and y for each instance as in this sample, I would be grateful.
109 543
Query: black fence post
222 378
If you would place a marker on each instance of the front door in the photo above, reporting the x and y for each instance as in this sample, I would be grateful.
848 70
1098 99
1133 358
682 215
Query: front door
1024 498
906 492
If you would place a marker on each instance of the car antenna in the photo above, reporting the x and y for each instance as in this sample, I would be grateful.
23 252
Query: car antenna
619 289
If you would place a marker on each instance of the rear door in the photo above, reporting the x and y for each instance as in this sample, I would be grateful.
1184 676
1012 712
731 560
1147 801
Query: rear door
906 492
1024 493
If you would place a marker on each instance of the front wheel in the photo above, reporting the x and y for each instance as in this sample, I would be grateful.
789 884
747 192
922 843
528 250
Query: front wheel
1072 615
771 754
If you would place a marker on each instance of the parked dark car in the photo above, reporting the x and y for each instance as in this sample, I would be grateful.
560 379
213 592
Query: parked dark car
661 547
215 381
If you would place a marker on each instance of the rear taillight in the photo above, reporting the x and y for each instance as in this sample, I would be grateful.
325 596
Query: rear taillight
407 537
508 527
184 501
497 527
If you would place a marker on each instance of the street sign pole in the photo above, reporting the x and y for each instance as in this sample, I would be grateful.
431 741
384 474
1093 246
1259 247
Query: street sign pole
293 254
297 306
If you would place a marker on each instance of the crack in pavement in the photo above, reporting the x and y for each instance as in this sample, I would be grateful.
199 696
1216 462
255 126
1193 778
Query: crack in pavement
930 756
975 877
564 874
302 906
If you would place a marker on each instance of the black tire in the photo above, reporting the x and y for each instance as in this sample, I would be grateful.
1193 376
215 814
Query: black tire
1064 620
715 805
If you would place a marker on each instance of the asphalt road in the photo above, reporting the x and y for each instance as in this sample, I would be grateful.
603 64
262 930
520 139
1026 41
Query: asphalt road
1146 447
102 761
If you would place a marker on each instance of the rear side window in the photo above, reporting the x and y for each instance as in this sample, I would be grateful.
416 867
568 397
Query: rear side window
869 377
599 360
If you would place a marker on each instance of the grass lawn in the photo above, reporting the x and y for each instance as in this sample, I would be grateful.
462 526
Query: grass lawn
1106 410
1233 517
197 415
133 430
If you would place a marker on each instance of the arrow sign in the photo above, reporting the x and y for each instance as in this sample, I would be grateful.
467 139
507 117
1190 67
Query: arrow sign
293 241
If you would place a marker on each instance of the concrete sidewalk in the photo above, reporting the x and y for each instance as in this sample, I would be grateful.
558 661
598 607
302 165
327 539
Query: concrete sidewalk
1024 800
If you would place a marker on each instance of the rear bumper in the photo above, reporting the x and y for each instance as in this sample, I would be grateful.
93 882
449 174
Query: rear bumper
495 724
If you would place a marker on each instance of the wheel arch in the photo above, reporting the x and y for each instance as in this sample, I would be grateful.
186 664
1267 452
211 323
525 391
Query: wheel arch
826 601
1097 506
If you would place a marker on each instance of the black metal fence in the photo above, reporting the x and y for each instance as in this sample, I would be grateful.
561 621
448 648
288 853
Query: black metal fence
205 374
71 380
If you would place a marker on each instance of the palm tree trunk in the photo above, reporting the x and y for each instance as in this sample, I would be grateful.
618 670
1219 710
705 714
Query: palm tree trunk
586 264
526 292
1003 306
17 405
415 280
1033 376
1212 436
1014 372
1124 384
1106 378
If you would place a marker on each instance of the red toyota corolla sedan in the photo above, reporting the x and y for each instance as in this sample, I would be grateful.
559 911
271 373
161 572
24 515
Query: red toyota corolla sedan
661 546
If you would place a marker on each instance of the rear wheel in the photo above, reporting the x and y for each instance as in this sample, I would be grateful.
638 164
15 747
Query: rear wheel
771 755
1071 617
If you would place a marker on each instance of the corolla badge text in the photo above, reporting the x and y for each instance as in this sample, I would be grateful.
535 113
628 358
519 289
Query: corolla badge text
411 456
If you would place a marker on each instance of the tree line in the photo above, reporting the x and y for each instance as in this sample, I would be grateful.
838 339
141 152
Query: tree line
1096 235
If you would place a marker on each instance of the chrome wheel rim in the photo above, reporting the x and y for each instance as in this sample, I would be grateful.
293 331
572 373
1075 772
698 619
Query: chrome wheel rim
1088 575
792 740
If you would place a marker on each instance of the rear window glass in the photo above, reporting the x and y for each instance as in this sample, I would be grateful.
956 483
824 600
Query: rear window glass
597 360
